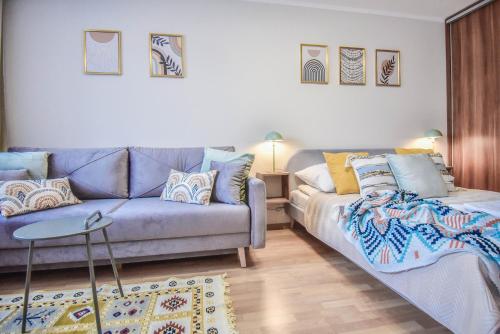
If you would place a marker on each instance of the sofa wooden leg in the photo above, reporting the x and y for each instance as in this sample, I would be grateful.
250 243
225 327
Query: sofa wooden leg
241 255
292 222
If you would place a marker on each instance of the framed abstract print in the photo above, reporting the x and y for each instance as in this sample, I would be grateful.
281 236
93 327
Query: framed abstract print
102 52
352 66
166 55
387 71
314 64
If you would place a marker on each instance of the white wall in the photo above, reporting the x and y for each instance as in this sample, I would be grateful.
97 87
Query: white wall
242 77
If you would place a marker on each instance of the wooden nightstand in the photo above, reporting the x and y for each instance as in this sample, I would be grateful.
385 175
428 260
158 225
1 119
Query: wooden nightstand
277 198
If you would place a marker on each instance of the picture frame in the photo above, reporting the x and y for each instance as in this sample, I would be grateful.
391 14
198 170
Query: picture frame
314 68
102 52
387 68
166 55
352 66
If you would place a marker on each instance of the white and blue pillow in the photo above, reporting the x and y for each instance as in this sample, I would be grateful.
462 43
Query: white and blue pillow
194 188
373 173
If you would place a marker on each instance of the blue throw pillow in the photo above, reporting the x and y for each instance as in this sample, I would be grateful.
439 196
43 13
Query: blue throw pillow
417 173
35 162
231 178
14 174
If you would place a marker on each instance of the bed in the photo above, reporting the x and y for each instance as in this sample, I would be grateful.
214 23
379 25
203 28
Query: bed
455 291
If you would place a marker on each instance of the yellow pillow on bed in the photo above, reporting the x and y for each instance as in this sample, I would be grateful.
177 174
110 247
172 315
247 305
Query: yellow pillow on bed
400 150
343 177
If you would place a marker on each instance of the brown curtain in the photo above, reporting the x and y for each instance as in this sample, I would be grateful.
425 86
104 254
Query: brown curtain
473 64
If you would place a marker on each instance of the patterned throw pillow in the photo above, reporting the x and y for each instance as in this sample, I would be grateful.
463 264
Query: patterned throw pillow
373 173
440 165
20 197
194 188
230 179
212 154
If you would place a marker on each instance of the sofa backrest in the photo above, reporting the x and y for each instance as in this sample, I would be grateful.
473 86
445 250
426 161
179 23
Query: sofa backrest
150 167
93 172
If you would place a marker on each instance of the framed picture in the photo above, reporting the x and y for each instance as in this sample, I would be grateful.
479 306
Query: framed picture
102 52
314 64
165 55
387 68
352 66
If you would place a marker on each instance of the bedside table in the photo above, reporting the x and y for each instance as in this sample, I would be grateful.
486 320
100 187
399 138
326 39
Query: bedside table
277 198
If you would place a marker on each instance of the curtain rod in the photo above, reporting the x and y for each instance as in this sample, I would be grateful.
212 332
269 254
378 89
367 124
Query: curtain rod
467 10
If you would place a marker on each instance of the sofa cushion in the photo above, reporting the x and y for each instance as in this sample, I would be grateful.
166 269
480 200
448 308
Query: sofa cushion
14 174
151 218
9 225
150 167
93 172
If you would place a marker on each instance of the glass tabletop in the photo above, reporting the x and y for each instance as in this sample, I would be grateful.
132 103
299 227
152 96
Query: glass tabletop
59 228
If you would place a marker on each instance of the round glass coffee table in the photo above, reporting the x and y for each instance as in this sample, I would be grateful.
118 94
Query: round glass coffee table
63 228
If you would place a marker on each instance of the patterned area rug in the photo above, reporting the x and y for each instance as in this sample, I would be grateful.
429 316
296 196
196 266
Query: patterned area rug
198 305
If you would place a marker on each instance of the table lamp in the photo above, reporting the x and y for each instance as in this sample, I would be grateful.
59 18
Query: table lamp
433 134
274 137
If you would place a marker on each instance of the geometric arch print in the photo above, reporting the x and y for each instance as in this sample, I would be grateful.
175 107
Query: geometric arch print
314 63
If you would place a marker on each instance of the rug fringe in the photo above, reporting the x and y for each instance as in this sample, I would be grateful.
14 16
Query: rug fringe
229 305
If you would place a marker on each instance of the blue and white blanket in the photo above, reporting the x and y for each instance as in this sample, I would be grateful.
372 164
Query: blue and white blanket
395 231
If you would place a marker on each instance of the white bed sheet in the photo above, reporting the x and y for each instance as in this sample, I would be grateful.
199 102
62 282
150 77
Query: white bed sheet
457 279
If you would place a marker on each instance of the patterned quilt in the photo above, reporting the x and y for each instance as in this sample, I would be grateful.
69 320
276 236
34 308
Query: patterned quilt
396 231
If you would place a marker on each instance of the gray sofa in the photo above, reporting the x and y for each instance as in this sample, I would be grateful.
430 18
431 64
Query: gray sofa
125 183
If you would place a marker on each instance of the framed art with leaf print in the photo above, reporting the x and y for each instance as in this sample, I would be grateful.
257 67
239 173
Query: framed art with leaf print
388 71
166 55
102 52
314 64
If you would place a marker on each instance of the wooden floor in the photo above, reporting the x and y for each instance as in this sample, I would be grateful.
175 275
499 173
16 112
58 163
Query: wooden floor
295 285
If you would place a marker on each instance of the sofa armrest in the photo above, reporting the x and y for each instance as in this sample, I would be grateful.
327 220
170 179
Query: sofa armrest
258 212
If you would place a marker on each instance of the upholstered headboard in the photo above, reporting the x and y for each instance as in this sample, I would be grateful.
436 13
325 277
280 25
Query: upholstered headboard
308 157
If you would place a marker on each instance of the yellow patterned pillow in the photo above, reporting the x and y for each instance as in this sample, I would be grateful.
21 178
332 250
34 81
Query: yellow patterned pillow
400 150
20 197
343 177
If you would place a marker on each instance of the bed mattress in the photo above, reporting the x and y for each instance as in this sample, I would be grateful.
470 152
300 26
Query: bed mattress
299 199
437 297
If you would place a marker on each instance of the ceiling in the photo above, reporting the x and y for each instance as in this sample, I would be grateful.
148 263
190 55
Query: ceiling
431 10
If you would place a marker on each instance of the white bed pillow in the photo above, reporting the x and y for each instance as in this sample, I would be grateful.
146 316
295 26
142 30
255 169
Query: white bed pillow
317 176
308 190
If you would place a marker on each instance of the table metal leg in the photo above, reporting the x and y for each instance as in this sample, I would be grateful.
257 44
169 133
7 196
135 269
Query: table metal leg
115 271
92 281
27 286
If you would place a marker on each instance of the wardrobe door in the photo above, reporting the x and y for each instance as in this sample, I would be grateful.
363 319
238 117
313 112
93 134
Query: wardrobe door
473 101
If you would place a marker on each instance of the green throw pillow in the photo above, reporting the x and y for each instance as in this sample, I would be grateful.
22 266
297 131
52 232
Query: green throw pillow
35 162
